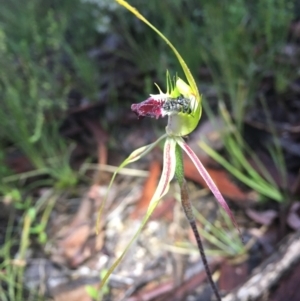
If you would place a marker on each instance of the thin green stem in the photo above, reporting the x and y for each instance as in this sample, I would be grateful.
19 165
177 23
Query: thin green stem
187 207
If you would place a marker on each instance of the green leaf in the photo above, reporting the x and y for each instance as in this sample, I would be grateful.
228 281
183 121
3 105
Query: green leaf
92 292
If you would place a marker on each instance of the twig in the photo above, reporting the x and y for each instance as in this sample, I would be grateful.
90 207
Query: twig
269 272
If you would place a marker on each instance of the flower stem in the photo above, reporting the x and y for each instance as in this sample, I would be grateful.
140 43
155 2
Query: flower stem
187 207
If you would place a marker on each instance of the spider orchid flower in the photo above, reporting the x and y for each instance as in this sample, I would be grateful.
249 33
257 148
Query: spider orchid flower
182 104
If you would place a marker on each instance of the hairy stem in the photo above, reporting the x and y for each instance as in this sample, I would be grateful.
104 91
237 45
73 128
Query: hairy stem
187 207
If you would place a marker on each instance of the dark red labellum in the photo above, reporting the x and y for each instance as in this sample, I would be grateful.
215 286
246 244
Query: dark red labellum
148 108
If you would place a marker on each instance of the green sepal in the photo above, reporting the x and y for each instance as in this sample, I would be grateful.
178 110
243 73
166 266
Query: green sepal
134 156
162 188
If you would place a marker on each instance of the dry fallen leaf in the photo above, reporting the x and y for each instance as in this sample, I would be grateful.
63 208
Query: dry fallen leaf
262 217
149 189
76 294
293 218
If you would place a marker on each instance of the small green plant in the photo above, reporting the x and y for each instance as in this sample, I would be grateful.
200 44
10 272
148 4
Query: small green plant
220 235
225 241
35 215
94 293
41 62
12 269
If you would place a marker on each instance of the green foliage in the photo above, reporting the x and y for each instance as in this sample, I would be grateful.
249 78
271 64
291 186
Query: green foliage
43 47
94 293
35 215
221 235
237 163
43 56
12 269
241 42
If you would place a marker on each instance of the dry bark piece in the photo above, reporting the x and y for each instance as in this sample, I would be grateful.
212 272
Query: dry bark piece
293 218
167 291
75 294
232 275
270 272
262 217
288 288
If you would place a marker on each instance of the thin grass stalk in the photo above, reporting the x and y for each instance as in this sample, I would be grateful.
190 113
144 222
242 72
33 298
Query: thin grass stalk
29 216
278 150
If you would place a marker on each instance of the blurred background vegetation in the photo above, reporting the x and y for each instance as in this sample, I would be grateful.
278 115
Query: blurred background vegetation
60 58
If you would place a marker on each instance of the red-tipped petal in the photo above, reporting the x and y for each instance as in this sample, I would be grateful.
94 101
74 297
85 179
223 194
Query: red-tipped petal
151 107
207 178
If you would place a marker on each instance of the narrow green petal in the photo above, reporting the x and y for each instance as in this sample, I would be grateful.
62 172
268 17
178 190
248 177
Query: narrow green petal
134 156
162 188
